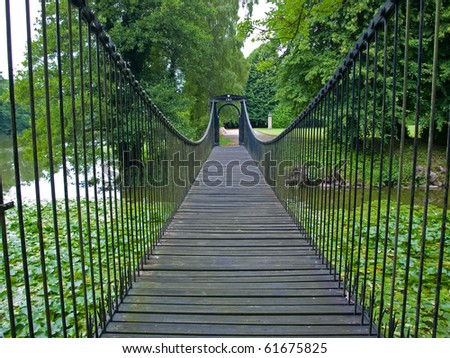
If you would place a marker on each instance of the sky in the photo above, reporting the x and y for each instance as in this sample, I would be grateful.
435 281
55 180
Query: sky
259 12
18 31
19 36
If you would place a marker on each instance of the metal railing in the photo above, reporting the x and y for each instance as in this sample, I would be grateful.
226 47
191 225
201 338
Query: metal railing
89 185
364 171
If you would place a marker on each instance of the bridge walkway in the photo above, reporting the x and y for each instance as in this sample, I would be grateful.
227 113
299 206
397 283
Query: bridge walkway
232 263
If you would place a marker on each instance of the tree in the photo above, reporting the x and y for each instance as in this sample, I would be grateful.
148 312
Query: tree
184 52
22 116
315 36
262 84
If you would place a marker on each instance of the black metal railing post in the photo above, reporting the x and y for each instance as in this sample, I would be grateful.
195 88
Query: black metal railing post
7 267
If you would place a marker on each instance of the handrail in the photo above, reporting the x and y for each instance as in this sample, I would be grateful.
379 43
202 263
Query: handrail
369 192
108 171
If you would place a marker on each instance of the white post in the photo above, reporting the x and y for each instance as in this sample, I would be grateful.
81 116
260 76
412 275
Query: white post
269 121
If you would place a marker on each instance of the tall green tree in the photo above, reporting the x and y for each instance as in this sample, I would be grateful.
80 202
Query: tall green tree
262 84
184 52
22 116
315 36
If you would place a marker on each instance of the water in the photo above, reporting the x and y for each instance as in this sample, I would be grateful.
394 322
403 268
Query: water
435 196
28 188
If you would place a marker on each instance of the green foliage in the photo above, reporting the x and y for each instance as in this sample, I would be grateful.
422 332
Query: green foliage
281 117
91 257
229 117
315 36
22 116
184 52
262 84
368 245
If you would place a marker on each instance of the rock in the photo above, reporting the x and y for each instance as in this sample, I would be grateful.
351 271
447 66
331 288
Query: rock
434 180
433 177
419 169
297 176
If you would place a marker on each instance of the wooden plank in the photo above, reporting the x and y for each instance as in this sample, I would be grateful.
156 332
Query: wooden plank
232 263
236 251
232 235
238 293
248 309
227 330
274 274
241 301
302 285
151 276
229 242
266 320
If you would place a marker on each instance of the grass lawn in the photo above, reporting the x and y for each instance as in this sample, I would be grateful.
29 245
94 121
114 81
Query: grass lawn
306 133
226 141
273 132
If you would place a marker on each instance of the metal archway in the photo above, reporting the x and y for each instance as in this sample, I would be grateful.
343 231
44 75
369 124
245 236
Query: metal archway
226 105
216 102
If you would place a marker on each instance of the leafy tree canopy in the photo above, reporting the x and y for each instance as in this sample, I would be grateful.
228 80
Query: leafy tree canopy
313 37
184 52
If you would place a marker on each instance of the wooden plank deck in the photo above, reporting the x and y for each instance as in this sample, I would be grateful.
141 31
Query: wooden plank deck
232 263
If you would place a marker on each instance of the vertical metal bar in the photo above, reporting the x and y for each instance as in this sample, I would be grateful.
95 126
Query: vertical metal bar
330 163
52 175
432 124
108 211
6 263
307 169
342 259
353 137
335 211
389 186
126 190
136 179
159 141
371 166
413 180
17 177
400 171
141 188
351 287
83 166
342 178
442 235
62 116
92 142
323 184
323 172
390 174
150 173
77 174
363 179
326 190
123 239
328 166
96 113
85 113
380 179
